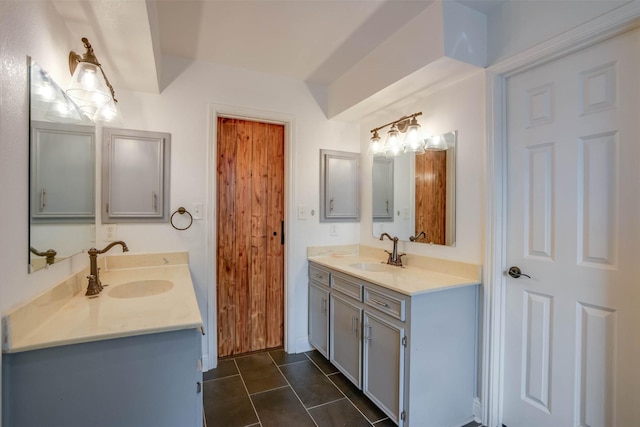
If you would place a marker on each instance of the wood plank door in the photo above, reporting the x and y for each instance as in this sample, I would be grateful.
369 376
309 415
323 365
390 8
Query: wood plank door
431 196
250 241
571 351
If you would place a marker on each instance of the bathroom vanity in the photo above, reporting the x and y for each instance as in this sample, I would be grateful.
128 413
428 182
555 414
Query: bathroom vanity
405 336
130 357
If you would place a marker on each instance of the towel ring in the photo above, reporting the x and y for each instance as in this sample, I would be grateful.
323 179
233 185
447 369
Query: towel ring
182 211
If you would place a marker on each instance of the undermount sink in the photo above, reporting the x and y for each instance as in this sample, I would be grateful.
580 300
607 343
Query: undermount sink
140 288
372 267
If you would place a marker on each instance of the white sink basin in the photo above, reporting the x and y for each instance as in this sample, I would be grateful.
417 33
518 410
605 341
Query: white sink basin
373 267
140 288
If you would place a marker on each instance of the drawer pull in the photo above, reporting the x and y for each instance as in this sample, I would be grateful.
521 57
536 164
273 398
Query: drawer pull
318 276
324 306
380 303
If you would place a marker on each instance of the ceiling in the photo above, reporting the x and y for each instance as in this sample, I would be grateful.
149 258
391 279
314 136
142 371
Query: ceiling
311 40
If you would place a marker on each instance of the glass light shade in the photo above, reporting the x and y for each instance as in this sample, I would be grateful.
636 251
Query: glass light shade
375 146
109 114
393 146
49 102
88 88
413 142
435 143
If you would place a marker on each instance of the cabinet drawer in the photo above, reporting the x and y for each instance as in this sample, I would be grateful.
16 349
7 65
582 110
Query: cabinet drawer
347 286
319 274
394 307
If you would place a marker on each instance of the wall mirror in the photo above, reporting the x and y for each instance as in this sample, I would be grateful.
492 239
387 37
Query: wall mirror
415 193
61 173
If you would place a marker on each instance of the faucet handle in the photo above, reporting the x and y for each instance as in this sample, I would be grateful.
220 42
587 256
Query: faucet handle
92 287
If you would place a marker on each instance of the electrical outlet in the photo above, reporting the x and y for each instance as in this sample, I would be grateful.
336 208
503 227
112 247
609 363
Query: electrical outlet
333 229
109 232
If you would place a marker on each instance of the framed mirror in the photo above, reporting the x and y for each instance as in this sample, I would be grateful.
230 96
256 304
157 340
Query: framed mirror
61 173
414 195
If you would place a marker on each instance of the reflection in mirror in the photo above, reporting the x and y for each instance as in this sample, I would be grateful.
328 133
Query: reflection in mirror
420 190
62 174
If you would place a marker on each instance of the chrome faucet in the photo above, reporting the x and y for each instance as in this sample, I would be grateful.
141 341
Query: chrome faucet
95 286
394 257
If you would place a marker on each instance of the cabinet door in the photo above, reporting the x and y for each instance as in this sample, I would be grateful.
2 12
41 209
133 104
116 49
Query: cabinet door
62 173
339 186
345 343
319 318
135 176
382 189
383 371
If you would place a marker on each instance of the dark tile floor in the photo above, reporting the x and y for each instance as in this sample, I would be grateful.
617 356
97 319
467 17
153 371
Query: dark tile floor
279 389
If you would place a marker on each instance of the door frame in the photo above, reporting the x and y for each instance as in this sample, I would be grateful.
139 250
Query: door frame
606 26
210 358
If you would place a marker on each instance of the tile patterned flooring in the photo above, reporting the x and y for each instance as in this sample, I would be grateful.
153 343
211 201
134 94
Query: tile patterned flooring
278 389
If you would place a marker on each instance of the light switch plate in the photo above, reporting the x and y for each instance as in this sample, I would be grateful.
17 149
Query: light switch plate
303 212
198 211
333 229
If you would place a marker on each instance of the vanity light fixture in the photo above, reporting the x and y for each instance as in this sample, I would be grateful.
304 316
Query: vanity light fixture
90 89
413 141
435 143
49 102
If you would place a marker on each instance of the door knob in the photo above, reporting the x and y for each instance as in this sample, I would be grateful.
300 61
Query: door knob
515 272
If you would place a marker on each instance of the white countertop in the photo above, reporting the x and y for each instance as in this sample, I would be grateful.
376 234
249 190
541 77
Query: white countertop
407 280
83 319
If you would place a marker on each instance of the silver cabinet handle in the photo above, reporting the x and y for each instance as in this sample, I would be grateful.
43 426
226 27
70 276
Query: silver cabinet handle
387 206
331 205
318 276
357 324
323 309
380 303
155 200
43 199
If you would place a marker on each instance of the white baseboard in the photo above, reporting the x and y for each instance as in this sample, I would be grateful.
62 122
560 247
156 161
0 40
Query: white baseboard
205 363
302 345
477 410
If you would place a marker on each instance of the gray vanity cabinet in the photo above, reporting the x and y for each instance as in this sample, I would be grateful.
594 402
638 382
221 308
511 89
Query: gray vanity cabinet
319 318
135 176
145 380
413 356
383 364
339 186
345 344
62 172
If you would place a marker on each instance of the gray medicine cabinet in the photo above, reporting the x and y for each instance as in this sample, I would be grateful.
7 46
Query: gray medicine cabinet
135 176
339 186
62 173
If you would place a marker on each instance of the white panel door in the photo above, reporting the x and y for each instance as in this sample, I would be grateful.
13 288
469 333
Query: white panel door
572 346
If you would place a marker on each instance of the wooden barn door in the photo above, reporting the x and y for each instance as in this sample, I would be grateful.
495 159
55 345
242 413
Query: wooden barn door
250 241
431 196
